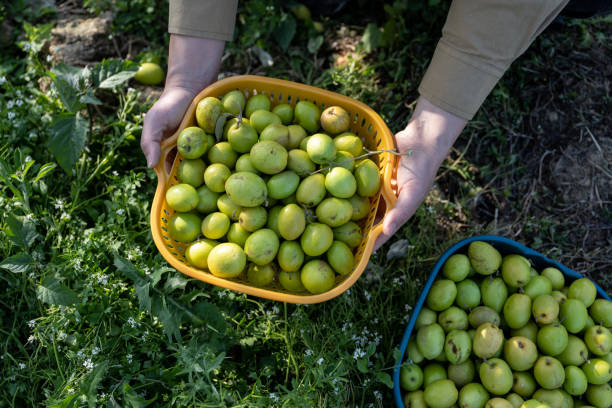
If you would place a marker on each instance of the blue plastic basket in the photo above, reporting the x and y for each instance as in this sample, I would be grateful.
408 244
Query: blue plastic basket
505 246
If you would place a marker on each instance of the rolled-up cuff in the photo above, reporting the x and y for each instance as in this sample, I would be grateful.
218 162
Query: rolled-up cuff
458 82
203 18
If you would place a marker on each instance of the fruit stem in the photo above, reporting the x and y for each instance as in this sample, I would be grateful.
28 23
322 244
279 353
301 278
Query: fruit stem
368 153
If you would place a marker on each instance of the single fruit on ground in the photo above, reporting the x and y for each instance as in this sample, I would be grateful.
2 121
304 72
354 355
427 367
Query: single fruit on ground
226 260
149 73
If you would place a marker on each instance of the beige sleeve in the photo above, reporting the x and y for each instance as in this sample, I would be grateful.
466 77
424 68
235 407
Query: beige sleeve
480 39
211 19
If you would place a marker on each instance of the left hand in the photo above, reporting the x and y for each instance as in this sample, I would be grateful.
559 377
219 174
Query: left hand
430 134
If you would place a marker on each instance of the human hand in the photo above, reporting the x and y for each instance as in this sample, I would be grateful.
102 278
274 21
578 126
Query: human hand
193 63
429 134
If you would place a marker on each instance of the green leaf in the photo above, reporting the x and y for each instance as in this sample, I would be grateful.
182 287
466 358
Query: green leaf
125 267
52 292
117 79
67 137
90 98
109 67
372 37
362 365
44 170
211 314
90 385
67 94
397 354
169 316
131 399
67 402
314 43
21 231
144 299
285 31
220 124
19 263
175 282
68 73
385 379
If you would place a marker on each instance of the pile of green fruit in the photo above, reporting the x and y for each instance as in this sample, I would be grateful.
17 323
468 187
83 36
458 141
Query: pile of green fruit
274 197
513 338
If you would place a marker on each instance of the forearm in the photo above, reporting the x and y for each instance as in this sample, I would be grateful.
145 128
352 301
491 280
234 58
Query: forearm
193 62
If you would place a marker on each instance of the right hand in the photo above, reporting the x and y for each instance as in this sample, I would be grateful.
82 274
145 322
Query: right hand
193 64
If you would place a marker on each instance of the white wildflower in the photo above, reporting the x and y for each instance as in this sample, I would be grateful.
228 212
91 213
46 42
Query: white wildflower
320 361
377 394
308 352
19 102
22 366
367 295
32 324
49 58
27 46
274 396
129 358
120 211
132 322
18 93
2 80
115 173
10 104
88 364
95 351
11 115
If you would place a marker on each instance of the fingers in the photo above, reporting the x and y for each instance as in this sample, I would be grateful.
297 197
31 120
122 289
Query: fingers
410 197
152 133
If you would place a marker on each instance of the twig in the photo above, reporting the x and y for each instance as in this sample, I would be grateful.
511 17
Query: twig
368 154
594 140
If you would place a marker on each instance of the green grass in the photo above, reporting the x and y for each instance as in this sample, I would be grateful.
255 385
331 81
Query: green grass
91 314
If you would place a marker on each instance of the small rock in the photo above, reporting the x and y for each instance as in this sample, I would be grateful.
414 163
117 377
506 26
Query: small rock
398 249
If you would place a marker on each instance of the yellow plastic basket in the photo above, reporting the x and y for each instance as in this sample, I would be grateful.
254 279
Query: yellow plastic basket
365 123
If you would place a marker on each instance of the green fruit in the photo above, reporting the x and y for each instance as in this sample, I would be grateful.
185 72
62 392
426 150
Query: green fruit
208 111
191 171
414 355
226 260
415 399
349 233
242 138
515 400
237 234
223 153
296 135
600 395
261 275
552 339
576 352
197 253
573 315
441 295
430 340
255 103
335 120
545 309
344 160
228 207
601 311
340 258
457 267
515 270
433 372
520 353
473 395
253 218
149 73
368 178
597 371
453 318
244 164
584 290
575 381
276 132
215 225
494 293
340 183
282 185
246 189
411 377
485 259
532 403
483 314
317 277
215 177
496 376
182 197
555 277
307 115
320 148
348 142
269 157
233 102
299 162
289 200
184 227
457 346
361 207
425 318
517 310
261 246
498 403
192 142
311 190
553 398
558 296
316 239
290 256
273 219
538 285
488 340
599 340
549 372
291 281
529 330
304 143
291 221
523 384
441 394
285 112
334 211
461 374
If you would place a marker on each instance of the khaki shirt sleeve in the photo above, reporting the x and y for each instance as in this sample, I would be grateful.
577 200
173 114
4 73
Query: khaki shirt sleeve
211 19
480 39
